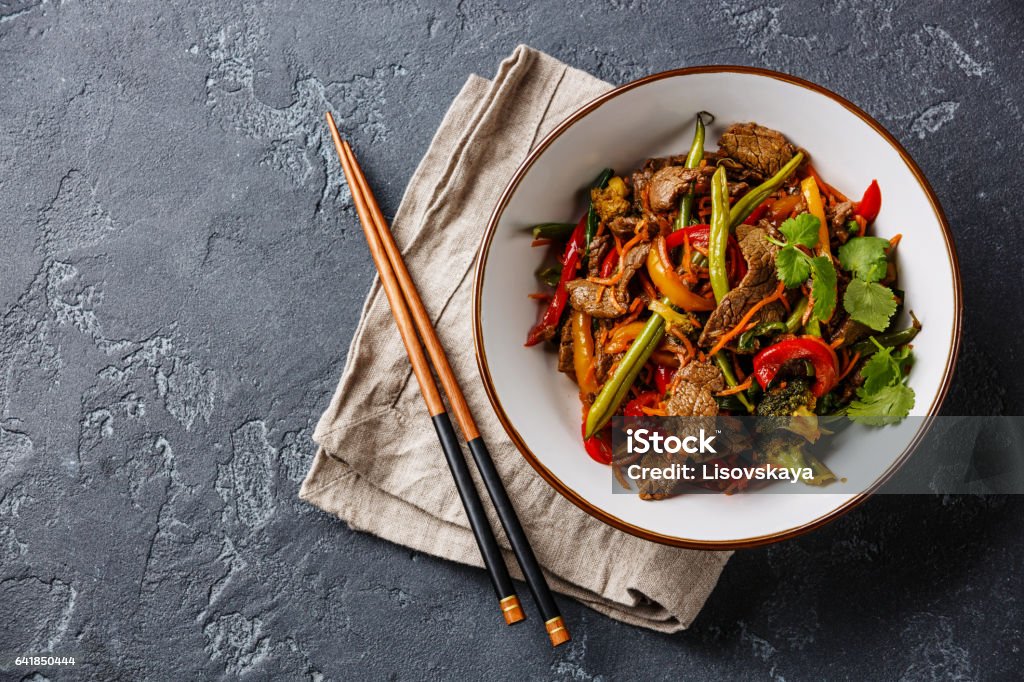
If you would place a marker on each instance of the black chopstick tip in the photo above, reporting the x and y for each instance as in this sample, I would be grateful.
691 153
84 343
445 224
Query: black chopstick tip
557 631
512 610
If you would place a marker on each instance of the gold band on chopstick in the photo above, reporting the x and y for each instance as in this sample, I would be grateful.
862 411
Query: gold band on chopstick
557 631
512 610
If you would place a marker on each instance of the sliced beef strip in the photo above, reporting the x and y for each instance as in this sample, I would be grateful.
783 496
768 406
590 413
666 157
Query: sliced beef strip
587 296
759 282
668 184
565 363
596 300
603 361
599 247
693 395
653 489
704 374
837 216
738 189
763 150
624 227
850 331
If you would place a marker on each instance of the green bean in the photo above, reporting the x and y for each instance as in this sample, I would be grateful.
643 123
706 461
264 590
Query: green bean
895 339
617 387
693 160
796 318
592 219
752 199
718 236
553 230
730 377
550 275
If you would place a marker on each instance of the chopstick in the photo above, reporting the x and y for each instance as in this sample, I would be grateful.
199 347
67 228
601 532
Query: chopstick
380 239
490 551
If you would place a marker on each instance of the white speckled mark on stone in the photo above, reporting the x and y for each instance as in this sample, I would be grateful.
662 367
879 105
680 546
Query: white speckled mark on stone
960 56
237 641
933 118
244 482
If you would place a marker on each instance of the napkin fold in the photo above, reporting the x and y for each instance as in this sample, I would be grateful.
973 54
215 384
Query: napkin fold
379 466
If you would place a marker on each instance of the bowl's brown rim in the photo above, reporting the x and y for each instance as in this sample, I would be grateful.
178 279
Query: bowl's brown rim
572 495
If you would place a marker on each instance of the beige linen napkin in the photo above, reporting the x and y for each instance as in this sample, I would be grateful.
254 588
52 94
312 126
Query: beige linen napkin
379 466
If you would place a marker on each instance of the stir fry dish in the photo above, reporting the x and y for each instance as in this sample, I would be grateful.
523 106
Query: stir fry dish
727 282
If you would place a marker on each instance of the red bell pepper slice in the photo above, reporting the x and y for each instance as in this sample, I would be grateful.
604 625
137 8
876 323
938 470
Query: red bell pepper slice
556 306
758 212
826 367
599 446
608 264
871 203
633 407
699 236
663 376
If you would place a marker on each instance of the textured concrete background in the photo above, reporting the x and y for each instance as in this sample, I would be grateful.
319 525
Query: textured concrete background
181 277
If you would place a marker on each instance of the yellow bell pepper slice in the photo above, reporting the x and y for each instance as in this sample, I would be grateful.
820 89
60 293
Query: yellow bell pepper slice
583 352
668 283
809 188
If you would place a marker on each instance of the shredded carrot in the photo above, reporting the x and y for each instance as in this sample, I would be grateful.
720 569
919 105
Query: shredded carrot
738 388
623 251
666 262
849 366
542 241
609 281
687 254
633 242
689 346
862 225
738 329
540 296
618 245
895 240
786 304
653 411
835 344
618 306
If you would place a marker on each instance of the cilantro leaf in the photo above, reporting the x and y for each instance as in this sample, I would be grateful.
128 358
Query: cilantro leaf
869 303
880 371
823 287
792 266
885 406
865 257
802 230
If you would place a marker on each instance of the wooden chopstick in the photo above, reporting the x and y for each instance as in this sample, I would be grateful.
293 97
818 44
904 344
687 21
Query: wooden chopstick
521 548
508 601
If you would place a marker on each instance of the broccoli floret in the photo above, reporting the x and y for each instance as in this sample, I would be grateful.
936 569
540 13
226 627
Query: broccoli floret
789 451
610 201
792 400
790 407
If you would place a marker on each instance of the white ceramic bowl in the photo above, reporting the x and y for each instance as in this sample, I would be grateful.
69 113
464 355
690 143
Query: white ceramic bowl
539 407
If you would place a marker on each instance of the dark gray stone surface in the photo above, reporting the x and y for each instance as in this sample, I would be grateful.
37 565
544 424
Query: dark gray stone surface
181 277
